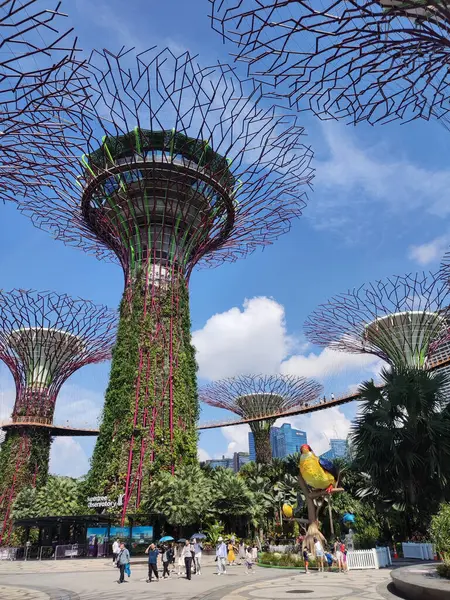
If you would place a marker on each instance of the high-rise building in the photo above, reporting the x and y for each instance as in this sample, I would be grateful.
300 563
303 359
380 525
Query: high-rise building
284 441
339 449
224 462
239 460
236 462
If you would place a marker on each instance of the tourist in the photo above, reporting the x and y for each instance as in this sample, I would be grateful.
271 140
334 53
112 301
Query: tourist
254 553
231 554
338 554
318 548
186 554
332 397
306 560
242 552
115 550
344 558
221 556
166 560
180 559
198 549
123 559
248 561
153 554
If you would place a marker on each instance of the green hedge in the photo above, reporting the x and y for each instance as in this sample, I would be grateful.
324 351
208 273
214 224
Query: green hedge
141 373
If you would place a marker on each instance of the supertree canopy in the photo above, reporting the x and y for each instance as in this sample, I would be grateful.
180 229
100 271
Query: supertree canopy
399 319
44 338
42 96
270 396
373 60
184 165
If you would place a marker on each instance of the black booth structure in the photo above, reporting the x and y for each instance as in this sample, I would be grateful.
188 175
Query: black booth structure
84 536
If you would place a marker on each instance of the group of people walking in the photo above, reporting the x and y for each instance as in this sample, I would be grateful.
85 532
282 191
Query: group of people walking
228 551
338 557
188 556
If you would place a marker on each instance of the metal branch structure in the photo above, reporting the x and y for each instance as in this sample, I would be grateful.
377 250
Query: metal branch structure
44 338
401 319
43 91
251 396
364 60
185 166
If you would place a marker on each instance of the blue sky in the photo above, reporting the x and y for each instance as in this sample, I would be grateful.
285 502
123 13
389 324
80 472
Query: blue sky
379 207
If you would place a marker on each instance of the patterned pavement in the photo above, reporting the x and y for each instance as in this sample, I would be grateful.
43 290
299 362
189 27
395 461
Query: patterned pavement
74 581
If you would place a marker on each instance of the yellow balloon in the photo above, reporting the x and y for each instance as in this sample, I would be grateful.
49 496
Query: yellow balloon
288 511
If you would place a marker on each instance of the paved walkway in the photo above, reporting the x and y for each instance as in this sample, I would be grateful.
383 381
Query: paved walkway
91 580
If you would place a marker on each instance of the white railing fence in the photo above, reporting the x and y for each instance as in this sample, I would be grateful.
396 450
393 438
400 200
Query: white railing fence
70 551
374 558
11 553
282 549
418 550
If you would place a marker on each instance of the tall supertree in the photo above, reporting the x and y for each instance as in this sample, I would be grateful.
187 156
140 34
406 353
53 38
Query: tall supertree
374 60
251 396
44 338
400 319
184 166
42 96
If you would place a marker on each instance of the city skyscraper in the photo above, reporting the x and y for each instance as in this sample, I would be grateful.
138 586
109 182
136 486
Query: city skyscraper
284 440
339 449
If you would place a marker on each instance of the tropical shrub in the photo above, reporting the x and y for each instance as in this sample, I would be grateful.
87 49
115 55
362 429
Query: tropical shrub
440 530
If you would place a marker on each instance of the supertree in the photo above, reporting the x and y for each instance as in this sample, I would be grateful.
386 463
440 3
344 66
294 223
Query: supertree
44 338
184 166
252 396
401 319
374 60
42 96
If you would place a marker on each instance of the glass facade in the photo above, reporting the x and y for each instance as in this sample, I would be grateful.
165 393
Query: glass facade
339 449
284 441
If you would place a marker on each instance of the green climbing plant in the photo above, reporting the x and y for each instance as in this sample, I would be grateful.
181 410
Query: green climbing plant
152 362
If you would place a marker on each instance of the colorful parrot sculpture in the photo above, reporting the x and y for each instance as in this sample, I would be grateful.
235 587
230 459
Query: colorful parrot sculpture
318 473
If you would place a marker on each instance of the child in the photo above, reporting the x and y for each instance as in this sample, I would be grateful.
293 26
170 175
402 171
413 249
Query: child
306 559
248 561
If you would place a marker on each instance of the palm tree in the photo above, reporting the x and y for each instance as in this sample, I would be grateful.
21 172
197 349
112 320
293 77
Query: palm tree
184 498
401 438
232 497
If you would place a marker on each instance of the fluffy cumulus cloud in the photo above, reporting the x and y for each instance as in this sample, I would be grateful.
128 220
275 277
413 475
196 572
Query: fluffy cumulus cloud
251 339
254 339
429 252
202 455
67 457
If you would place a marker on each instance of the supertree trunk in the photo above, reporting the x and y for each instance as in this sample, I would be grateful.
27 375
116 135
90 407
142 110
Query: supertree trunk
24 458
263 449
151 404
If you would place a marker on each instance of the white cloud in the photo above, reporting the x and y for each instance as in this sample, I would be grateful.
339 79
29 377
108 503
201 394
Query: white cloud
329 362
357 177
430 252
249 340
237 438
202 455
320 427
67 457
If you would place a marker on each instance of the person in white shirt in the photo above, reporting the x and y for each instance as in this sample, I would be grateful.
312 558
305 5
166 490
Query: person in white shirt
318 548
186 554
221 555
249 561
254 554
197 556
115 550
